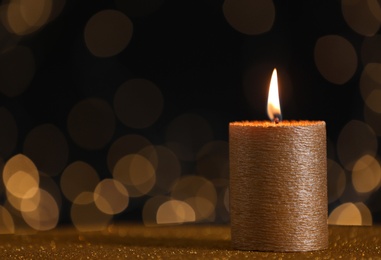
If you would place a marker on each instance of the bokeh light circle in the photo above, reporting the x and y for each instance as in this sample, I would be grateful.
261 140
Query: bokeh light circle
336 180
20 175
21 183
78 177
355 140
128 144
249 17
335 58
350 214
107 33
7 225
167 169
373 119
138 103
136 173
36 14
375 8
370 79
366 174
370 50
91 123
57 8
111 197
151 207
45 216
86 216
373 100
51 185
366 214
29 202
199 193
361 16
24 17
175 212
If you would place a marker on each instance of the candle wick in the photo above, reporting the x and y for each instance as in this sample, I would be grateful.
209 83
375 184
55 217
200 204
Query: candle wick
277 119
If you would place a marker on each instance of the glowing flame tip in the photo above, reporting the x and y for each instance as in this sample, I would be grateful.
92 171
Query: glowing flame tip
273 106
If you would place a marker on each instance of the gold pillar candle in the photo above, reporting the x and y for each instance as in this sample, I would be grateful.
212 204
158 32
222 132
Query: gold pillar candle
278 182
278 186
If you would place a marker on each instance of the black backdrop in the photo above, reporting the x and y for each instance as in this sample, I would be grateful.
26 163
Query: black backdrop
201 65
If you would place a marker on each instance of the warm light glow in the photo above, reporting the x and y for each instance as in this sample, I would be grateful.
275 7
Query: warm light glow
175 212
351 214
273 106
199 193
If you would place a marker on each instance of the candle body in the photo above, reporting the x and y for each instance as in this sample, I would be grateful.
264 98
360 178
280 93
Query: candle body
278 186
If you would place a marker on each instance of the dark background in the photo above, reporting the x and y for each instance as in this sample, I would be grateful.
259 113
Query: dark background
201 65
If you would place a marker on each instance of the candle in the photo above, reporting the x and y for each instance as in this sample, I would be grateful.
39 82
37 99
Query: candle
278 182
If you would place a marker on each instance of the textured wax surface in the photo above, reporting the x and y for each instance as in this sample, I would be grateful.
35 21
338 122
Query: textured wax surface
284 123
178 242
278 185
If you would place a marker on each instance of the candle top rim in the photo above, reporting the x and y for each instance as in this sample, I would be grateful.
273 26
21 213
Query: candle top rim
284 123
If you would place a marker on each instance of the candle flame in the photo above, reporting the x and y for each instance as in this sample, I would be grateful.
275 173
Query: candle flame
273 106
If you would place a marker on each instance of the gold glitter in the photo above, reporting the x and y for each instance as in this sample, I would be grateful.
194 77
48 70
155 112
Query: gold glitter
52 245
177 242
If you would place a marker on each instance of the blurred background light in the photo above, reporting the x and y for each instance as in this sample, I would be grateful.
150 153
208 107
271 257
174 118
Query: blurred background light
335 58
6 222
370 53
128 144
78 177
352 214
175 212
119 110
362 16
370 79
366 174
46 214
199 193
22 17
150 208
336 180
20 176
86 216
356 139
136 173
373 119
167 170
107 33
111 197
250 17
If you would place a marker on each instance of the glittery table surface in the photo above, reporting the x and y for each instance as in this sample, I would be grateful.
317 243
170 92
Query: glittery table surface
134 241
